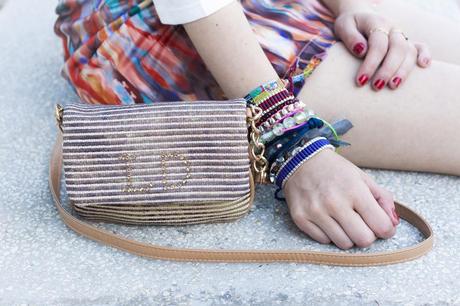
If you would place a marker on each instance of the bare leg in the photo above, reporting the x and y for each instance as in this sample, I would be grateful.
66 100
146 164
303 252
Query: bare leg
441 34
412 128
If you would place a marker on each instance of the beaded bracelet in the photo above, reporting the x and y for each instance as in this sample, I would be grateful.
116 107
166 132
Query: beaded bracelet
268 123
304 153
276 109
289 124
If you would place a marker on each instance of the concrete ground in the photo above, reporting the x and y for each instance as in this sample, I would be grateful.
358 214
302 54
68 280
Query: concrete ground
43 262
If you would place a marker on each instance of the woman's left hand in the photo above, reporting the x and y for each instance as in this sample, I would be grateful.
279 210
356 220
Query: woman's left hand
388 56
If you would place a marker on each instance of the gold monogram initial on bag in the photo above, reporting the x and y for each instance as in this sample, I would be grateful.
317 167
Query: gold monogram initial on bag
129 188
165 158
164 168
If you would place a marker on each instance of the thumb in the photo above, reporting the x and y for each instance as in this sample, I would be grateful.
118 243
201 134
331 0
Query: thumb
345 28
383 197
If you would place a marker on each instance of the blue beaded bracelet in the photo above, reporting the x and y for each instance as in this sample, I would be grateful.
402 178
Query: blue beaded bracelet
306 152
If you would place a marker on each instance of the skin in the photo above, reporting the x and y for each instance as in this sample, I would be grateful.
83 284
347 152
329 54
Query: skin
330 198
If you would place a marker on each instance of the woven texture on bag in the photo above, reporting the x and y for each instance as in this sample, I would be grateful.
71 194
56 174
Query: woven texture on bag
165 163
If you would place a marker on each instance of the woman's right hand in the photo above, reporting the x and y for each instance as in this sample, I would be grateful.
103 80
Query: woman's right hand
332 200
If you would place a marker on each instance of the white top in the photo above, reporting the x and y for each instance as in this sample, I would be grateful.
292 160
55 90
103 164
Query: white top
184 11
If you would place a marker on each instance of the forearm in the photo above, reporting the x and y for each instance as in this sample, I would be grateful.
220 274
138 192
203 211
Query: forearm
341 6
230 50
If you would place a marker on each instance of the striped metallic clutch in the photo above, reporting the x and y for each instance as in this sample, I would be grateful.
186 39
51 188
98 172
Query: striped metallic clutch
163 163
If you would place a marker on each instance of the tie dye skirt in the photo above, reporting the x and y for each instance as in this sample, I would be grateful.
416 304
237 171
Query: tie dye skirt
118 51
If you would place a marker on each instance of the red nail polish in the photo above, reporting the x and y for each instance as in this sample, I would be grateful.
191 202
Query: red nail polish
379 84
363 79
396 81
358 48
395 215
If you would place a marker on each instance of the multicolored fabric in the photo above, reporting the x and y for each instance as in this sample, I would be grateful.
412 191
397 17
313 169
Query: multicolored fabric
118 51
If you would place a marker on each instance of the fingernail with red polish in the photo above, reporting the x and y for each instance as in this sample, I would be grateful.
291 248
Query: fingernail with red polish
379 84
363 79
358 48
395 215
396 81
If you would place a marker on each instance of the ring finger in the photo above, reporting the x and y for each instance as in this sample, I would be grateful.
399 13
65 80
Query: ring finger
397 51
378 47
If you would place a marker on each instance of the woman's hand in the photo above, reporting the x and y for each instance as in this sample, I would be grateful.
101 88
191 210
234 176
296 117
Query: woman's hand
330 199
388 56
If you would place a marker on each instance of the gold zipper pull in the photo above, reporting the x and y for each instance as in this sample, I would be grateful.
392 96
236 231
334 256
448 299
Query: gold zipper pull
58 112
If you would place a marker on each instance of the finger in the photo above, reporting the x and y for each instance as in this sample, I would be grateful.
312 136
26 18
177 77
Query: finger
424 55
396 54
356 229
314 232
404 70
378 47
374 215
334 231
300 218
346 29
383 197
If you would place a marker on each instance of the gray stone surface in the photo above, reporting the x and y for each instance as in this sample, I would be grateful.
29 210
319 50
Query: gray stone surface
43 262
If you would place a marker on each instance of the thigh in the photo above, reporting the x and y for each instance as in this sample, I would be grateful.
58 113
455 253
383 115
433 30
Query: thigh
440 33
412 128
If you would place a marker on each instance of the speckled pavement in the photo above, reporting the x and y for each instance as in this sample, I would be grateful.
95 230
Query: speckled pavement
42 262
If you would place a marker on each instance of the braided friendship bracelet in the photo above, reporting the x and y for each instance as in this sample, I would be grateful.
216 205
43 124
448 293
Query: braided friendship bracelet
269 86
266 95
274 99
306 152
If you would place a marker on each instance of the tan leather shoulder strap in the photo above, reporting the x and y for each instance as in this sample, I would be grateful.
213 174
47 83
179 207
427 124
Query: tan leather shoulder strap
183 254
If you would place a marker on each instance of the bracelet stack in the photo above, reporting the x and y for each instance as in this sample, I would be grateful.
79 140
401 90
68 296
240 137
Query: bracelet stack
290 132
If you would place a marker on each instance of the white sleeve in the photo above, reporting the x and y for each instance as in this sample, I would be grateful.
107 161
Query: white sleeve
184 11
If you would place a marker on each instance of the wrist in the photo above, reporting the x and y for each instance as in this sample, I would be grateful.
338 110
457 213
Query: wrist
285 132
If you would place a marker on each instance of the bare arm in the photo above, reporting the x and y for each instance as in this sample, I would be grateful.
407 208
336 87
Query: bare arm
231 51
321 187
340 6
